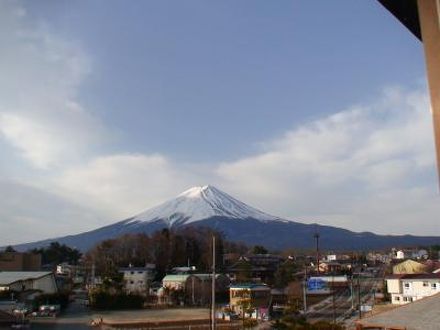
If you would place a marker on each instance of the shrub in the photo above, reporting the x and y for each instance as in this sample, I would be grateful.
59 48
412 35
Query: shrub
249 323
102 300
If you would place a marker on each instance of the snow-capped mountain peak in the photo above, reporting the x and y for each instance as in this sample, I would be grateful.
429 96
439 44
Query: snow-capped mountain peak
200 203
195 192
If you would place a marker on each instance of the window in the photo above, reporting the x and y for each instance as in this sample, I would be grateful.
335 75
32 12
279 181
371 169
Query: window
405 299
406 285
397 298
433 286
425 283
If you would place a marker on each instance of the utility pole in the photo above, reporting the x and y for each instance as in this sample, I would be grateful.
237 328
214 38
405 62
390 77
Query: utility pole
93 275
213 285
359 296
192 289
305 291
352 293
316 236
333 299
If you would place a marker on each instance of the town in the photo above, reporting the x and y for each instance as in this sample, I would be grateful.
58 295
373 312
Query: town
324 115
168 279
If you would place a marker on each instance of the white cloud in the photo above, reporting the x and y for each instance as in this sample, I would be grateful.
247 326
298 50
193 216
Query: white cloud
370 167
367 168
51 139
41 73
42 122
121 185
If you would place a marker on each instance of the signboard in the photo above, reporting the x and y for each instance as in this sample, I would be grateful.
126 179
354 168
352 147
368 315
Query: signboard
366 308
316 285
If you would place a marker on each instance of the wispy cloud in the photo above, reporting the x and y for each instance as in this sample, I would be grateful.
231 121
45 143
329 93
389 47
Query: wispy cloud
43 124
121 185
39 113
369 167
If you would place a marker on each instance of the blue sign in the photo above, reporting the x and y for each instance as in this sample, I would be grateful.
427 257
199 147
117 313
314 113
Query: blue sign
316 284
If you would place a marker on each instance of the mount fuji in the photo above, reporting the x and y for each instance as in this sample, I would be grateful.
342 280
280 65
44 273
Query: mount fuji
210 207
200 203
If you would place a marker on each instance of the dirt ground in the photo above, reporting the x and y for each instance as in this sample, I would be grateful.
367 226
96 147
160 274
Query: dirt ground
154 315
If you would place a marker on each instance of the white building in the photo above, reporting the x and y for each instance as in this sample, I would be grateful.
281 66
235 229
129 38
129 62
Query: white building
407 288
138 279
331 257
64 269
177 282
26 281
400 254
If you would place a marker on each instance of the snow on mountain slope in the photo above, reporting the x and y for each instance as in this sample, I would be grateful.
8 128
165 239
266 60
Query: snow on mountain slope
212 208
200 203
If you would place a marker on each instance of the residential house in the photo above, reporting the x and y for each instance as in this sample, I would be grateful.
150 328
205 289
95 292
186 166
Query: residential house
247 296
331 257
258 267
138 279
406 288
178 289
27 285
330 267
400 254
64 269
66 272
195 289
176 282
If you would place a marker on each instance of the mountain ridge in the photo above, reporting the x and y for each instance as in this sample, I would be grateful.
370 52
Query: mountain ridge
210 207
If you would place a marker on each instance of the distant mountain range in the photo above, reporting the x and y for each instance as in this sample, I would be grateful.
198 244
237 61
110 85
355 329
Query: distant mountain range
211 207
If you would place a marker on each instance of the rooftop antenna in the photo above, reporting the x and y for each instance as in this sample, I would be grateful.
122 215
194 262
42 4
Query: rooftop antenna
316 236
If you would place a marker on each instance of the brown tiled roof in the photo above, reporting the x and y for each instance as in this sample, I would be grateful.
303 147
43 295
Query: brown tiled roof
414 276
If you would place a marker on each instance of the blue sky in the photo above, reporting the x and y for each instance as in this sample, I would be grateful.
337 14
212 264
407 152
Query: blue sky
232 72
311 110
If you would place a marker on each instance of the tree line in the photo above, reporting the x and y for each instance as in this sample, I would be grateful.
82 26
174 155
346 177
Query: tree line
165 248
57 253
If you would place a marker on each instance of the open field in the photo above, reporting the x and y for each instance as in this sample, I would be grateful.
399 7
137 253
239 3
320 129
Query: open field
174 318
